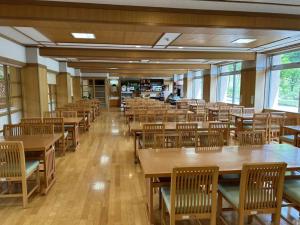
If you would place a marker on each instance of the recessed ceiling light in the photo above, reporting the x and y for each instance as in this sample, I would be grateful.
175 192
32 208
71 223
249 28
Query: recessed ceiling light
243 41
138 46
180 47
145 60
83 35
130 61
113 68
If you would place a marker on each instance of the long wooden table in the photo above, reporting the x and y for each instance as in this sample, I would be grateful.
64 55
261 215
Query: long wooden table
159 163
296 131
72 124
42 144
136 129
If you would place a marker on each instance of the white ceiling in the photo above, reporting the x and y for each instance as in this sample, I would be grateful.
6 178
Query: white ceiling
267 6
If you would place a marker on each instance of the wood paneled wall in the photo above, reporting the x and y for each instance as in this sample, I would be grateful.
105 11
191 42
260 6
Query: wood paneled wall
63 82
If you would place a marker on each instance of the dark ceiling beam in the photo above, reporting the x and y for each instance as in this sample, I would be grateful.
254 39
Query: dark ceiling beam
143 54
53 14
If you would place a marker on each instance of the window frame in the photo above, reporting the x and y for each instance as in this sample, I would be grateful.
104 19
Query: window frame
279 67
235 72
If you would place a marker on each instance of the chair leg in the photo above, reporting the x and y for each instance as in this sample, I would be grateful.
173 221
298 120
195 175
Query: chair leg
162 212
276 218
38 181
250 219
220 206
24 192
240 217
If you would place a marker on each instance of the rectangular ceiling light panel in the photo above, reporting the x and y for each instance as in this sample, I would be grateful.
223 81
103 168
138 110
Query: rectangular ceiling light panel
166 40
83 35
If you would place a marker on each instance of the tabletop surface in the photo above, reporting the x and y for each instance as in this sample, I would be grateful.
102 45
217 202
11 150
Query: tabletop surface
138 126
171 111
160 162
244 116
35 142
295 128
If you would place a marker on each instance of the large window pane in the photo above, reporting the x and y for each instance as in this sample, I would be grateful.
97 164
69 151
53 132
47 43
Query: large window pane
3 121
237 89
285 90
286 58
16 117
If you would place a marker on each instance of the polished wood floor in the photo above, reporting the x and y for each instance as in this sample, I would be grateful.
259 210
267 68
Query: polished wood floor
97 185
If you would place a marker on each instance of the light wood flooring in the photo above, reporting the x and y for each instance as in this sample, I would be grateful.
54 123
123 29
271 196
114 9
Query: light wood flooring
97 185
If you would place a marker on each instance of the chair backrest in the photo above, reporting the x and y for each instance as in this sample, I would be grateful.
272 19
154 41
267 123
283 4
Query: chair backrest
12 159
67 114
261 121
166 140
261 186
181 115
36 129
33 120
209 141
223 114
197 117
52 114
221 127
194 191
182 104
58 124
187 134
251 138
13 130
149 132
236 110
248 111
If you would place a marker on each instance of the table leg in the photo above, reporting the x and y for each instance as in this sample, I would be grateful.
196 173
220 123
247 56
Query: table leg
149 192
135 148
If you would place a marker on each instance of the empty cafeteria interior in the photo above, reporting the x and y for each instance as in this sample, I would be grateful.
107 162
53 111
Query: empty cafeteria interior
128 112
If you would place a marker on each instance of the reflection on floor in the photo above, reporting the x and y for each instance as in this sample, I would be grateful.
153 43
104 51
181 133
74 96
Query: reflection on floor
97 185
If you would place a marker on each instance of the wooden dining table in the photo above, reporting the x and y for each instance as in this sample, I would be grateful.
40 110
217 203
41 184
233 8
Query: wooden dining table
136 128
42 147
240 118
159 163
72 124
295 129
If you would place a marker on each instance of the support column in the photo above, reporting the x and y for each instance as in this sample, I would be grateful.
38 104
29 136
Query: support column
76 86
64 83
206 85
185 86
213 83
34 85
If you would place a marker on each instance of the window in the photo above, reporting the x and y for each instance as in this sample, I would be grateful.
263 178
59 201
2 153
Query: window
10 95
51 97
198 85
283 88
229 83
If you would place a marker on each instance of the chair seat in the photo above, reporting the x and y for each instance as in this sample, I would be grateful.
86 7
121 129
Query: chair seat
231 192
31 166
287 138
247 127
248 122
292 189
231 176
166 194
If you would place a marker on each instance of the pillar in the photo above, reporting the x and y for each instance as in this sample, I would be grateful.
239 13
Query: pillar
63 85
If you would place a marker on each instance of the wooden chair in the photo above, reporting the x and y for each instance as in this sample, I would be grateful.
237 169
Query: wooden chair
170 116
276 123
182 105
59 127
223 115
261 123
193 195
286 136
187 134
13 130
14 170
149 132
209 141
36 129
197 117
291 193
260 191
248 111
181 115
222 127
246 138
166 140
33 120
69 114
52 114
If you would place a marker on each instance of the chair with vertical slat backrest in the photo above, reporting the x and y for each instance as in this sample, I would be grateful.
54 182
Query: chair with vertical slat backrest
209 141
37 129
151 116
149 132
276 123
166 140
52 114
286 136
193 195
260 191
197 117
187 134
223 115
58 124
170 115
181 115
14 170
69 114
13 130
250 138
33 120
261 123
222 127
182 105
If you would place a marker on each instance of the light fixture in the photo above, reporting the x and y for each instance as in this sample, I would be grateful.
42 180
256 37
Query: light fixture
180 47
113 68
145 60
138 46
83 35
243 41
